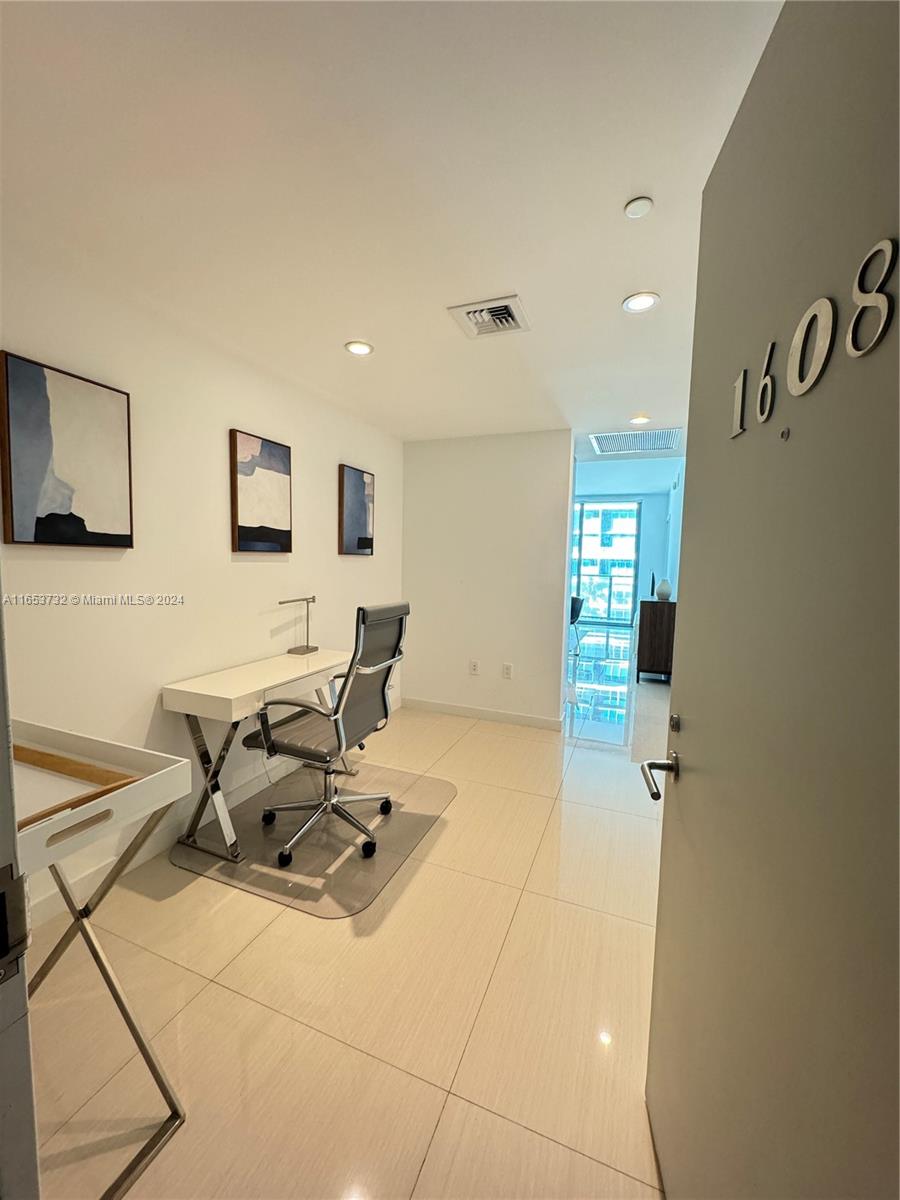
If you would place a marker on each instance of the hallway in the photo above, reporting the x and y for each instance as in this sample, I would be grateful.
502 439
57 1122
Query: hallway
479 1030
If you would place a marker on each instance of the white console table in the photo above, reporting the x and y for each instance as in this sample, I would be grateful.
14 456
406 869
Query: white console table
230 696
69 790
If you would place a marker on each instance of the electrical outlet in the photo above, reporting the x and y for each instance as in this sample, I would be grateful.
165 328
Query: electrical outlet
507 670
474 666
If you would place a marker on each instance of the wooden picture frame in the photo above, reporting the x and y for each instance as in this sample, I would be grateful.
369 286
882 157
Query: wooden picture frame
356 511
65 458
261 505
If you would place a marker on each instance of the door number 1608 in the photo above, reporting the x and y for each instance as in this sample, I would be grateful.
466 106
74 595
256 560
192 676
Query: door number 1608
816 326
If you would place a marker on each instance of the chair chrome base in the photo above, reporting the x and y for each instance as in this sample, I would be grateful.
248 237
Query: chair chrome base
332 802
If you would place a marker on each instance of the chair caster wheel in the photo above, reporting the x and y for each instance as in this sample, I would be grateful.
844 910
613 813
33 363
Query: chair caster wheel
268 817
361 746
385 807
285 858
368 849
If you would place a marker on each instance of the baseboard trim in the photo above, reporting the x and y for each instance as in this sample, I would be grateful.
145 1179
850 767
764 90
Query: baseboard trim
46 902
484 714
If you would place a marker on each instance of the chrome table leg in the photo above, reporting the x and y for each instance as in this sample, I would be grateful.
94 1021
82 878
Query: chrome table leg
211 792
82 926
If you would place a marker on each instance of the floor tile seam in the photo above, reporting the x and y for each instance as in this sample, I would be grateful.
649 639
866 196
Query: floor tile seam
556 1142
587 908
373 762
522 737
606 808
500 952
420 774
503 786
259 932
136 1054
428 1147
428 862
156 953
332 1037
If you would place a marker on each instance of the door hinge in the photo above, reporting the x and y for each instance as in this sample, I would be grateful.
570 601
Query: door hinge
15 933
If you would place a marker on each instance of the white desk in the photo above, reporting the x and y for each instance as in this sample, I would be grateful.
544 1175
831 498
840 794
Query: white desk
239 692
229 696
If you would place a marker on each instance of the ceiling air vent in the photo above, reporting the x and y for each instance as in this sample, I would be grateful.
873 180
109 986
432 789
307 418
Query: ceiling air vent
635 441
484 317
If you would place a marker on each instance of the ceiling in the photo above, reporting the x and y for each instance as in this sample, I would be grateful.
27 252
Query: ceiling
280 178
627 477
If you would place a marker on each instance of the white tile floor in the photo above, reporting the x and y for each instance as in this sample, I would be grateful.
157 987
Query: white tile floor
478 1033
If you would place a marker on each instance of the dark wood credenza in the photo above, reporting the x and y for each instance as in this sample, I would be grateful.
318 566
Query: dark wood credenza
656 637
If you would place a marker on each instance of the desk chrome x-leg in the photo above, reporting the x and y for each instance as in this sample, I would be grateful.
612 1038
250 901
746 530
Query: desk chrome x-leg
81 925
212 792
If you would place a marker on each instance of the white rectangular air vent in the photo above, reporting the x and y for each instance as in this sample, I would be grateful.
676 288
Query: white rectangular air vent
502 315
635 441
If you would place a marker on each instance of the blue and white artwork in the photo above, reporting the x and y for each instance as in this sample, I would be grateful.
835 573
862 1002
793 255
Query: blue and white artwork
260 494
356 511
66 461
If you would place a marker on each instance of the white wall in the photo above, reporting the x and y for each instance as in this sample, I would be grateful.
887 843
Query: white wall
676 512
626 476
485 549
653 543
99 670
651 481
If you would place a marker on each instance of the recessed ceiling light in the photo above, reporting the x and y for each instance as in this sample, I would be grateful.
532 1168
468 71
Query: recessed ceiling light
638 207
640 419
360 349
640 302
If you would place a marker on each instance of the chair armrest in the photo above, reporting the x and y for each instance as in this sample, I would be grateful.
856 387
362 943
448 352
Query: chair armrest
388 662
301 705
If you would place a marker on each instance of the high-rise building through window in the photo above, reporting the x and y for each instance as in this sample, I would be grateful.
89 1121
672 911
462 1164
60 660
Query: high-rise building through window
604 572
604 559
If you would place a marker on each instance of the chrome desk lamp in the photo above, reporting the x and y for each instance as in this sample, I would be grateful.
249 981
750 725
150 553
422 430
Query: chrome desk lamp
307 600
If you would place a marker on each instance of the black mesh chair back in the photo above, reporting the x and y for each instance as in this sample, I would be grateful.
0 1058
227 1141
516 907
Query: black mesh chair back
363 702
576 604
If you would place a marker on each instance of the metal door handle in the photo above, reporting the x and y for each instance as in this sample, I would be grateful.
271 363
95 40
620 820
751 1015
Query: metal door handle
658 764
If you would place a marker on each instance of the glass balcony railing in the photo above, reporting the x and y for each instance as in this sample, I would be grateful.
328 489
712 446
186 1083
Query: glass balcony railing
600 681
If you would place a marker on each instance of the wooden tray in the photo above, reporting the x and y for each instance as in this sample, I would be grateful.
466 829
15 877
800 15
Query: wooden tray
70 789
104 779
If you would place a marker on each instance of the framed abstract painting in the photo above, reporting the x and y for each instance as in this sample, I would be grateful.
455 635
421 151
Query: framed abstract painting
260 494
65 458
356 511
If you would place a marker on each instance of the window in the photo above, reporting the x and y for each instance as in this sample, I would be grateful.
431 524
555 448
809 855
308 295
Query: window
604 559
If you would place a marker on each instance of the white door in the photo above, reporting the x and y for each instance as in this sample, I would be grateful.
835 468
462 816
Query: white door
18 1144
773 1047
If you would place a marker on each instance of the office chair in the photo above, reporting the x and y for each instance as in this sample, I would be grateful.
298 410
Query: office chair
576 604
319 736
